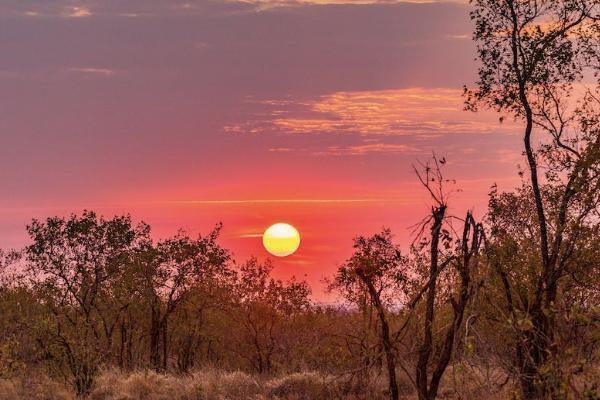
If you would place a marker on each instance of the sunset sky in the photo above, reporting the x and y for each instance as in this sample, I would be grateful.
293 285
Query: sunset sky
187 113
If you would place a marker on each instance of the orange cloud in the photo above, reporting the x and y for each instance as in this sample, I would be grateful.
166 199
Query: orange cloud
77 12
380 148
421 112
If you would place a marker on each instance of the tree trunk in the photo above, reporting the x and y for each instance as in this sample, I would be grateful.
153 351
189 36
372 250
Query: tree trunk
385 339
123 334
533 353
165 348
427 344
470 254
155 339
390 358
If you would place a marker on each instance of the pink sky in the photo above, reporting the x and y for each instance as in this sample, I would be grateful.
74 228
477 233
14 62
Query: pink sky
189 113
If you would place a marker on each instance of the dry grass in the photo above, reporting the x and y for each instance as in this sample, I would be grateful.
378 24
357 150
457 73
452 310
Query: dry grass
205 385
34 387
220 385
215 385
209 385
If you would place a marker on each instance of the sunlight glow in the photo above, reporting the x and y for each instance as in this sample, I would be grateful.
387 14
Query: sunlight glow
281 240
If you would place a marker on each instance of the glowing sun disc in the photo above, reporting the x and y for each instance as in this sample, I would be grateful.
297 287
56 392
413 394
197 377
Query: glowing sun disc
281 240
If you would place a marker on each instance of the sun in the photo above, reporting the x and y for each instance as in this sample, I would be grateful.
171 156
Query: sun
281 240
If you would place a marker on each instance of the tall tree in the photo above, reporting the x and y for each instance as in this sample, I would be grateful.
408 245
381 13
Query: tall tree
534 56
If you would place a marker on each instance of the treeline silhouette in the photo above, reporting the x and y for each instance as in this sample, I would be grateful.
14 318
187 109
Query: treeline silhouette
505 306
90 295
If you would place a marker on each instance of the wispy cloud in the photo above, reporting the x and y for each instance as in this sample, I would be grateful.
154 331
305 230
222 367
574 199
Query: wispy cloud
422 112
249 235
77 12
465 36
53 9
363 149
92 71
266 4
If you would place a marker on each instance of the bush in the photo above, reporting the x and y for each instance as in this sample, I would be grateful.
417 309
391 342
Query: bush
314 385
209 385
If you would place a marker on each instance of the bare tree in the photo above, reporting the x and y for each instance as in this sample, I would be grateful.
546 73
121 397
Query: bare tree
464 259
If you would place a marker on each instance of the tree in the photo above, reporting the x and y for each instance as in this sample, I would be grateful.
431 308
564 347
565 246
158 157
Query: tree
72 264
532 54
397 282
265 306
168 273
443 250
201 323
377 268
18 306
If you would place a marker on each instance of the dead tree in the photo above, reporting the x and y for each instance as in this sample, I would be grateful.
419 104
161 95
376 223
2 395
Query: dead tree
430 370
